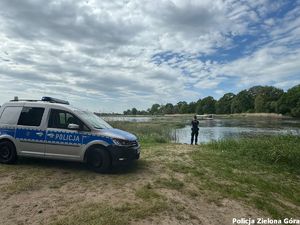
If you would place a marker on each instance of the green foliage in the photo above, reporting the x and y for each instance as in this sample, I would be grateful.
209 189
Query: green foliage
154 109
192 107
223 106
289 103
242 102
265 98
169 108
206 106
147 132
272 93
134 111
260 99
282 150
259 103
182 107
261 171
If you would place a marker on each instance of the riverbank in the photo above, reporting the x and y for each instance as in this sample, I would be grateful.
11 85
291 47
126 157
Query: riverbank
170 184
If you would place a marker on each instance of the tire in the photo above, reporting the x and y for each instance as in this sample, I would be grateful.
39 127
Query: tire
8 154
98 159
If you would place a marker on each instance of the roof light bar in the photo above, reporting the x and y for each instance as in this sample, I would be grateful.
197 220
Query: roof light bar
54 100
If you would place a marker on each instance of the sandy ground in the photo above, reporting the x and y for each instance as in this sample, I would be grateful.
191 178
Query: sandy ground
42 191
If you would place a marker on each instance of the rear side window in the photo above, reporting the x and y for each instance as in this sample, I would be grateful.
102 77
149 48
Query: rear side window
31 116
10 115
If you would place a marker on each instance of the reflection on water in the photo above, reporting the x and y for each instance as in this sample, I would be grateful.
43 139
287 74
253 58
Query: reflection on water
235 128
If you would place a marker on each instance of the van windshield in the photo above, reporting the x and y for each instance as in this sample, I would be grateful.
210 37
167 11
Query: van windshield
94 120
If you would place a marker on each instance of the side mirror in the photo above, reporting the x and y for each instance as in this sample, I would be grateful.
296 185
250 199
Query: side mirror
73 126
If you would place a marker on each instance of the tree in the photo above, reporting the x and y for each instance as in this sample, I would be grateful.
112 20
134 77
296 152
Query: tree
242 102
168 109
127 112
223 106
265 98
206 105
154 109
134 111
142 112
260 103
289 103
182 107
295 111
256 99
192 107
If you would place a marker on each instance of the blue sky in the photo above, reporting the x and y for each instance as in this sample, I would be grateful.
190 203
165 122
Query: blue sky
109 56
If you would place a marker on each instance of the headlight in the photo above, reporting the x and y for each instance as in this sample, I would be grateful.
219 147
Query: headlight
124 142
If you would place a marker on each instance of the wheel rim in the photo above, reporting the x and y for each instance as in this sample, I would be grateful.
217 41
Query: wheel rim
4 152
96 160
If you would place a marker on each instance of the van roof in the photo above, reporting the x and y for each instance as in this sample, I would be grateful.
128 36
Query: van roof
57 103
44 99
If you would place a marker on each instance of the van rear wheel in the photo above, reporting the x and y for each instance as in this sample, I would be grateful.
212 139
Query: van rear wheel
8 153
98 160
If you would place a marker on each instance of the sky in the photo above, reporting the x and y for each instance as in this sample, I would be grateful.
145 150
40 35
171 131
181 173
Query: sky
109 56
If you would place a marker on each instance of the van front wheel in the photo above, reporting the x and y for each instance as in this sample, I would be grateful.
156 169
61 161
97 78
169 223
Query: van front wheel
98 160
8 153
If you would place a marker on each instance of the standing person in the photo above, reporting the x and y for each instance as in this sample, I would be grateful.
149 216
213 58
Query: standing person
195 130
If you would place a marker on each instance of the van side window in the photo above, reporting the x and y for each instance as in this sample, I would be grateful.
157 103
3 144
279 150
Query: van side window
61 119
10 115
31 116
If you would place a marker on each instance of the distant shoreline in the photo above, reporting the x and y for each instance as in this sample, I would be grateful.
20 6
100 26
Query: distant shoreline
265 115
269 115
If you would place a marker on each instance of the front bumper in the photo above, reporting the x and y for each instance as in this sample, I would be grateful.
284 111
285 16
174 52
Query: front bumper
124 153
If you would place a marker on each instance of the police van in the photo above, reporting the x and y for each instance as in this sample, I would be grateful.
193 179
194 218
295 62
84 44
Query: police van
52 128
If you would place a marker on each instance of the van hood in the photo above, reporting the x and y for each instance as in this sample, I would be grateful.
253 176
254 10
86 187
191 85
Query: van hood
117 133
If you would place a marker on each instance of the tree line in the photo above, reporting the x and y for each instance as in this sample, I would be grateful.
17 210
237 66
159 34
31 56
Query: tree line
257 99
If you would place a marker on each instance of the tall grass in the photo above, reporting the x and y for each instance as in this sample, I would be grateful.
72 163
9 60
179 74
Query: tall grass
146 132
260 171
283 150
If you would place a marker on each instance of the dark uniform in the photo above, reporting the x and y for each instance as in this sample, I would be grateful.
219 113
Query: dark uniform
195 130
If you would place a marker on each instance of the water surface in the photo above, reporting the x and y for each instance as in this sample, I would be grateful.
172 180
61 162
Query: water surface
217 129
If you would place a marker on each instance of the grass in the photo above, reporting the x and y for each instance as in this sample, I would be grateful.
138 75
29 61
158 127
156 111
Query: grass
261 172
147 193
147 132
103 214
169 183
156 131
118 214
282 150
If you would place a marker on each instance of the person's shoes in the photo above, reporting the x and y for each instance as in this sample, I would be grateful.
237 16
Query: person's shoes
196 144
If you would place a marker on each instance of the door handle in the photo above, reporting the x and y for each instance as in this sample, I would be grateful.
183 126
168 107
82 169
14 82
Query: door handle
50 135
39 134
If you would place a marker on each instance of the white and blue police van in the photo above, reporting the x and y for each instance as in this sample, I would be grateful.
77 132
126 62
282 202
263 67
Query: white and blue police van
52 128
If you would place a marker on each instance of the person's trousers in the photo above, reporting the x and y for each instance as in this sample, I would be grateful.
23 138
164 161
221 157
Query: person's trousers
194 135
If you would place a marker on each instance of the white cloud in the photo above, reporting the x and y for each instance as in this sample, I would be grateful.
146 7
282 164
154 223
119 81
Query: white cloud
99 54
